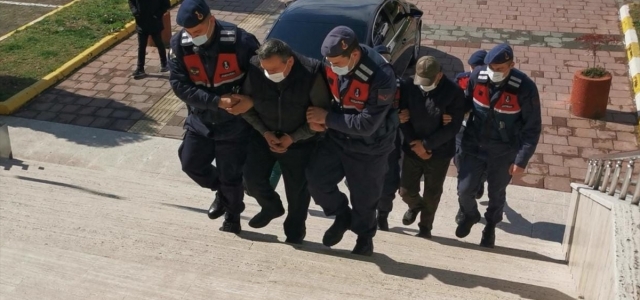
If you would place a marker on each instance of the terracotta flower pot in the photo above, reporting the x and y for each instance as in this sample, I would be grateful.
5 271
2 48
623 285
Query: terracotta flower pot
166 32
590 96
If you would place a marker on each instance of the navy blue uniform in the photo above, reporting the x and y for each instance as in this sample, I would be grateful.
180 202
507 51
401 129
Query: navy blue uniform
199 76
361 134
503 129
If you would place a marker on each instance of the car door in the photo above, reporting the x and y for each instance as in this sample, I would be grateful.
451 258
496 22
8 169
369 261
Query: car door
394 15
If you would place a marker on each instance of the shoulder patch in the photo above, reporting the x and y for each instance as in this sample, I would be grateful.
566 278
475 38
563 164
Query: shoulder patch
186 40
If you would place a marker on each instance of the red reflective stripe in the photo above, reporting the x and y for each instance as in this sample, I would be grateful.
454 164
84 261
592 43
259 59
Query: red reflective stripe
196 69
227 69
463 82
507 104
355 97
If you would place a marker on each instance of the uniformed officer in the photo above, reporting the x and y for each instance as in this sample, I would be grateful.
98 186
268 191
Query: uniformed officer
392 178
208 62
429 145
282 85
500 137
361 132
476 60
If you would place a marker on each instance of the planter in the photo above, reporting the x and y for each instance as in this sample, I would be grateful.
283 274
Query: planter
166 32
590 96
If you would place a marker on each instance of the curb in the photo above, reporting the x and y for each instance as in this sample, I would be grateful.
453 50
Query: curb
633 52
18 100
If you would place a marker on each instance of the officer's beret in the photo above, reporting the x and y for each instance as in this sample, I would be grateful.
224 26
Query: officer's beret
192 13
477 58
499 54
382 49
337 41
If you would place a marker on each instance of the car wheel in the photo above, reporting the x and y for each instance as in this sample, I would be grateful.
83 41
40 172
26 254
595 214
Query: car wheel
416 47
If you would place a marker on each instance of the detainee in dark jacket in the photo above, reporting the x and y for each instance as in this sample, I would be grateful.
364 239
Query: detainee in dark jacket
429 145
148 15
282 86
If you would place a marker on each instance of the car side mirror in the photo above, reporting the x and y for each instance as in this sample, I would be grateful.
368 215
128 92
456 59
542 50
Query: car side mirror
416 13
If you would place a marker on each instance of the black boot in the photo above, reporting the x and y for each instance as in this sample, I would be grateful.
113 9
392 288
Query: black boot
263 218
410 216
424 232
231 223
296 239
364 246
138 74
216 210
459 216
383 223
341 224
488 236
464 228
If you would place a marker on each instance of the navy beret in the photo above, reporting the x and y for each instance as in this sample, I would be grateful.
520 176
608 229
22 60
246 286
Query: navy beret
337 41
382 49
499 54
192 13
477 58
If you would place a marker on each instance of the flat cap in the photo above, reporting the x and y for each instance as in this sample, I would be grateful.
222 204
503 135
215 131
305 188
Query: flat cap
192 13
499 54
337 41
477 58
427 68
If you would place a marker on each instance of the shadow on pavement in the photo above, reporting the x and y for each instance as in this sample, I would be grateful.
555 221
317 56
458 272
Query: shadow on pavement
621 117
73 186
60 106
7 164
392 267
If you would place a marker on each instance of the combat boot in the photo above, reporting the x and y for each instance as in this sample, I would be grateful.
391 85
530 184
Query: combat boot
364 247
383 223
231 223
488 236
464 228
216 210
341 224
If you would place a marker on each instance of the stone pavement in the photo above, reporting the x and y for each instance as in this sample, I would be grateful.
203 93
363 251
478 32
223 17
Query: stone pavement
542 32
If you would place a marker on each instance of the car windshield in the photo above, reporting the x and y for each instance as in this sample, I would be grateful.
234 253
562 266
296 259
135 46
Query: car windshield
306 38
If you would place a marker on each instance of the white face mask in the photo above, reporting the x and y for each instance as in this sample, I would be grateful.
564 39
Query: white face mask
201 39
276 77
495 77
428 88
341 70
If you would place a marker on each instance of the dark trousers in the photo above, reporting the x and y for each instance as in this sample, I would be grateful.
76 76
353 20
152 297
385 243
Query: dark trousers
197 152
470 172
293 163
392 179
434 171
143 37
365 173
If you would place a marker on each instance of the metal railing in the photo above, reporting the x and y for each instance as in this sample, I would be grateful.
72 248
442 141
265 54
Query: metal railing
604 174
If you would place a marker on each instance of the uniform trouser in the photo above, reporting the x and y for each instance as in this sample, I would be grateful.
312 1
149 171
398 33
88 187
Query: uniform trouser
470 172
197 152
293 163
365 173
143 37
391 180
434 171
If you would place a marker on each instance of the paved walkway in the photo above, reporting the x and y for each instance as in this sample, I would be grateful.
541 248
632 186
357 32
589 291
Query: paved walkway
102 95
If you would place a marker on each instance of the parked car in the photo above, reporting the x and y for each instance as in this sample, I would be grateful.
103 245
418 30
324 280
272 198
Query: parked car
394 23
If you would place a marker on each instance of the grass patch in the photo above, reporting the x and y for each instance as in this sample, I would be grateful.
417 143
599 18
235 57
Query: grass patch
634 11
29 55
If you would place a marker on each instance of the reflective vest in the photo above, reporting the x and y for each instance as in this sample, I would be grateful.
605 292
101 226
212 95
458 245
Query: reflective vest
463 81
357 92
504 112
227 67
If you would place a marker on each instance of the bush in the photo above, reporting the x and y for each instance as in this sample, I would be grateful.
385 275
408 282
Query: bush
595 72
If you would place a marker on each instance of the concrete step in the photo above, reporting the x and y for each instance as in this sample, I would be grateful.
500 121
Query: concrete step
69 232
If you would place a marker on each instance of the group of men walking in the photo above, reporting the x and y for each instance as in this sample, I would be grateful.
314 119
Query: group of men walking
350 118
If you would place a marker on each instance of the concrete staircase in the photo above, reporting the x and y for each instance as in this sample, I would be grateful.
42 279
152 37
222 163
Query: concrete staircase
73 228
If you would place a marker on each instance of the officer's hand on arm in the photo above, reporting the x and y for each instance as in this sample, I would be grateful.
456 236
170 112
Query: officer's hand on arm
446 119
243 104
404 116
227 101
316 115
317 127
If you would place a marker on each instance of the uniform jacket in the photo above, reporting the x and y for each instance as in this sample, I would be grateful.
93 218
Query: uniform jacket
371 127
148 14
426 110
282 106
203 98
520 118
